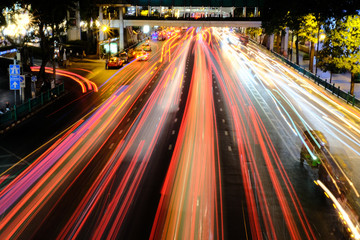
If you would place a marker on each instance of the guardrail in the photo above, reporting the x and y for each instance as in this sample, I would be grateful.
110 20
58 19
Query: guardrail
32 104
346 96
350 99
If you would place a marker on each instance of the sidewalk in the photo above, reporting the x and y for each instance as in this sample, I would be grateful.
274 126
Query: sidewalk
342 80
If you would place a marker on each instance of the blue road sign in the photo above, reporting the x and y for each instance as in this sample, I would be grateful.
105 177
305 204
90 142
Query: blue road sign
14 69
34 78
22 80
14 82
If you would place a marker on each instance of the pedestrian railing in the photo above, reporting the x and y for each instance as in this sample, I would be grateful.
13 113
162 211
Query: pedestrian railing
350 99
32 104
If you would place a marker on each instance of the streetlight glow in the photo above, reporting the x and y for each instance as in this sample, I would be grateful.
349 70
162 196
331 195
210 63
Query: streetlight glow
104 28
322 36
19 25
146 29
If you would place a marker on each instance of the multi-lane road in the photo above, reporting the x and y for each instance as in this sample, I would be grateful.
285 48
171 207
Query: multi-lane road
202 141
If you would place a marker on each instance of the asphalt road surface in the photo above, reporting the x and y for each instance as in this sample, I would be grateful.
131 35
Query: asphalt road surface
202 141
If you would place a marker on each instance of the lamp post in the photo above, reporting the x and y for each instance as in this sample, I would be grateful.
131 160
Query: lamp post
104 29
321 37
109 50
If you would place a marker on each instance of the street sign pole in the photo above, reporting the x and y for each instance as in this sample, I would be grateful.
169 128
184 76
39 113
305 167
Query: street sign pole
15 78
22 86
33 81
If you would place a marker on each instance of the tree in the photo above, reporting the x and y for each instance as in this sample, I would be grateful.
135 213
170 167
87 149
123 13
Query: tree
293 21
276 14
325 57
344 37
309 30
18 22
48 14
254 32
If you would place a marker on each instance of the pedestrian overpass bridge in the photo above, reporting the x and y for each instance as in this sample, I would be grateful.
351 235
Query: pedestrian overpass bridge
121 15
190 23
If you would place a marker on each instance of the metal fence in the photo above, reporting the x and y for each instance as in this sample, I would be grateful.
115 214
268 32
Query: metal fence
31 105
350 99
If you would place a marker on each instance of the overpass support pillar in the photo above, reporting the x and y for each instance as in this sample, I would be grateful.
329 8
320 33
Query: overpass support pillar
121 29
149 10
101 33
271 42
244 12
285 42
232 11
256 11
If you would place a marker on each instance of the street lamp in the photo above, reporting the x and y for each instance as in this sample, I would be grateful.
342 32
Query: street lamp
104 29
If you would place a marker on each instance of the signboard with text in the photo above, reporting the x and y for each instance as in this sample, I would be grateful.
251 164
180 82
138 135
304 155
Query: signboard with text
14 82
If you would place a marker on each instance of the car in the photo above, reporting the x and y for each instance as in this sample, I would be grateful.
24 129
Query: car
141 55
312 151
161 36
114 62
147 47
124 56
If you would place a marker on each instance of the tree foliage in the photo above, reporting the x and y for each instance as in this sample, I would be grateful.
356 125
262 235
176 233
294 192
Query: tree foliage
309 28
346 36
325 57
254 32
342 42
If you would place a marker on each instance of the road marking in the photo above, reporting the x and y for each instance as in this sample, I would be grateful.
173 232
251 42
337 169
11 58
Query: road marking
128 120
120 132
229 148
170 147
6 155
220 109
173 132
223 120
111 146
226 133
175 120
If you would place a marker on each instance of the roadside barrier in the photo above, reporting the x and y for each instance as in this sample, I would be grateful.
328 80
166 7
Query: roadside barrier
31 105
350 99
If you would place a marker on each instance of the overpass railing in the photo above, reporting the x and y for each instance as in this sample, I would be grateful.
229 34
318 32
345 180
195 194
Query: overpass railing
193 19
